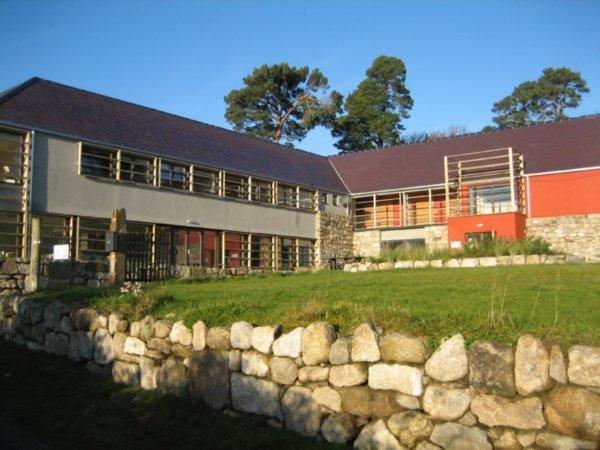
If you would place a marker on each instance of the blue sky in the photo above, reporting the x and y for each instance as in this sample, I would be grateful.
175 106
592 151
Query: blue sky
184 57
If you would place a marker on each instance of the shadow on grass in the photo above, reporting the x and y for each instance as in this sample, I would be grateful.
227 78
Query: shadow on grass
50 402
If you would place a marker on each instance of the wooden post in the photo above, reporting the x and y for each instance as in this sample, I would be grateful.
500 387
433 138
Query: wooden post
34 262
116 260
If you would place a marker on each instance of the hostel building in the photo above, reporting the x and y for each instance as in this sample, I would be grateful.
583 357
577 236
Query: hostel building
225 200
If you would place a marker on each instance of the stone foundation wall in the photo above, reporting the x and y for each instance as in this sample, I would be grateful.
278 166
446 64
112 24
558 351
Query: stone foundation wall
334 237
13 277
367 243
436 237
381 390
574 235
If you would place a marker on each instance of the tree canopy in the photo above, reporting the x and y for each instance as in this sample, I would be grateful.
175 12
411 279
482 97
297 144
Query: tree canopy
541 100
373 112
282 103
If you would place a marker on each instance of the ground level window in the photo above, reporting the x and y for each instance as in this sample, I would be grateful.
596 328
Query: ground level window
11 158
403 243
286 253
98 162
477 238
336 200
305 253
236 250
323 196
91 238
211 248
261 254
11 234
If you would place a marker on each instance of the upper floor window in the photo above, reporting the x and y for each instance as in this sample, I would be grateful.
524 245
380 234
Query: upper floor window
137 168
262 190
236 186
286 195
98 162
11 158
306 199
176 176
489 199
206 181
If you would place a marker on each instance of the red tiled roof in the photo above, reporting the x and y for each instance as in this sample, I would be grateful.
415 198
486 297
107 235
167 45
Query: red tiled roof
569 144
42 104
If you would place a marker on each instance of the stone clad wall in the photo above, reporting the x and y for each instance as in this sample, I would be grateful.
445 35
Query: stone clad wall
334 237
13 276
380 390
367 243
574 235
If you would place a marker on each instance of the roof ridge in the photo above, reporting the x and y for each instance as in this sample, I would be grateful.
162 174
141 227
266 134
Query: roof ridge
472 133
173 115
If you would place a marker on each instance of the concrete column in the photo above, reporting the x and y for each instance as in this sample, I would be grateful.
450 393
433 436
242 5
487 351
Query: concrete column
34 262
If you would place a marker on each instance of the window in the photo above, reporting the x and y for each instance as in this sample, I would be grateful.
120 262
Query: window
324 199
261 254
336 200
188 246
206 181
236 250
286 195
137 169
489 199
478 238
172 175
91 239
262 191
286 253
11 234
98 162
403 243
236 186
306 199
55 226
11 158
305 253
211 248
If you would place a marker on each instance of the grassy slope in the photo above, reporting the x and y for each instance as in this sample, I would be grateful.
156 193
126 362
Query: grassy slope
54 403
558 303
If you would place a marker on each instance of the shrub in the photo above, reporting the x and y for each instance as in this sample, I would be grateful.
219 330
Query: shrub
485 247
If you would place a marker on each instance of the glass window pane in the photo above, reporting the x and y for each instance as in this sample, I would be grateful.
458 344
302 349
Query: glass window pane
98 162
11 158
137 169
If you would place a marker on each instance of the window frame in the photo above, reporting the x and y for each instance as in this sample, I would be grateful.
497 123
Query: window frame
18 164
112 168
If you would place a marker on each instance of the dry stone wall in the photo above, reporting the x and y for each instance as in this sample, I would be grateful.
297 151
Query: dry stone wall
574 235
375 389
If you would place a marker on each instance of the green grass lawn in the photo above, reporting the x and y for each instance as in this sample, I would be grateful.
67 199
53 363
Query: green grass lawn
53 403
559 303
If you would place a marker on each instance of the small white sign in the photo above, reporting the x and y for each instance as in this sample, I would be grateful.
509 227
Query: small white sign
61 252
456 244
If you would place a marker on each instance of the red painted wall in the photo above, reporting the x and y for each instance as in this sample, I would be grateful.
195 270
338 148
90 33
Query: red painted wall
507 225
564 194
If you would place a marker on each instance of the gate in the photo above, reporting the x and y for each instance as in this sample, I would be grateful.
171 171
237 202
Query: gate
150 256
55 273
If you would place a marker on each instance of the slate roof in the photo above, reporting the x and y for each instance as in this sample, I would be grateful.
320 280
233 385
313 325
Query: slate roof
564 145
46 105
